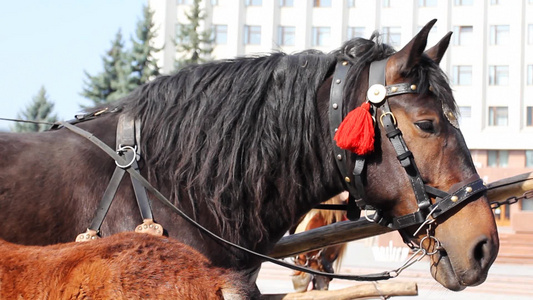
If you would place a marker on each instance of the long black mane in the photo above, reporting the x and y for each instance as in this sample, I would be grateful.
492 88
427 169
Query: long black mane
244 137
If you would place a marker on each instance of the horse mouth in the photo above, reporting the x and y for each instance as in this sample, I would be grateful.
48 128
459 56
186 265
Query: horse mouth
443 271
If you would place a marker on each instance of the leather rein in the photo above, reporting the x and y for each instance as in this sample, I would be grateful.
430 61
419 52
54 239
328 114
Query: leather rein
353 183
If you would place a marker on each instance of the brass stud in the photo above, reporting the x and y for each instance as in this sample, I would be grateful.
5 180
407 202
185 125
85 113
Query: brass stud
93 237
336 129
454 198
344 63
339 157
468 189
337 81
335 106
430 88
394 89
347 179
376 92
451 116
413 87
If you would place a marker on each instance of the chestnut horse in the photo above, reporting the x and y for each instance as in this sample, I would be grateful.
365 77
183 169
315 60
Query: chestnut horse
244 147
321 259
127 265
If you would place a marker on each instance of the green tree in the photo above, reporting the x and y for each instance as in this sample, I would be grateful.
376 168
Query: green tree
193 44
143 64
115 81
40 110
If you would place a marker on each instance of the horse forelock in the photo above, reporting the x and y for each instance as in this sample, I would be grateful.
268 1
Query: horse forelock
239 136
361 52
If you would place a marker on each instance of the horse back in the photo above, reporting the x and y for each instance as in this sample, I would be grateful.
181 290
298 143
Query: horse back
122 266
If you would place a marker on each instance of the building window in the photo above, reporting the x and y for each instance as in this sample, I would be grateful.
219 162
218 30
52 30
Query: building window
494 2
529 158
465 115
462 35
463 2
184 2
286 3
462 75
214 2
498 115
254 2
527 204
427 3
392 35
355 32
321 36
286 35
220 34
529 74
498 75
498 158
351 3
499 34
252 35
529 116
322 3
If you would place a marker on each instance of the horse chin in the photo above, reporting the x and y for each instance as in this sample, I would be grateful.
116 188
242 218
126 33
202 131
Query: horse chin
443 271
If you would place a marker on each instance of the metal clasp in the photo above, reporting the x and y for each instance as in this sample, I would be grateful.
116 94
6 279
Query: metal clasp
121 150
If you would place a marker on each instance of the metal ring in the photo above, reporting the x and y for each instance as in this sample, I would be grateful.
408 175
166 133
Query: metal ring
123 149
387 113
367 218
437 244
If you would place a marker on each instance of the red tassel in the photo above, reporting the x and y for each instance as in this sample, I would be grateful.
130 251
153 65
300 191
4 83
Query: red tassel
356 132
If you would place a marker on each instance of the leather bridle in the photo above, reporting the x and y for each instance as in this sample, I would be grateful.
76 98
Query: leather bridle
378 94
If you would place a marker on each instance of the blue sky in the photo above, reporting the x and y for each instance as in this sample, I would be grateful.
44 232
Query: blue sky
50 43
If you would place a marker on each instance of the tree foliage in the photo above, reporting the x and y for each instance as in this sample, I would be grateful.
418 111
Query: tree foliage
114 82
193 43
144 65
39 110
125 70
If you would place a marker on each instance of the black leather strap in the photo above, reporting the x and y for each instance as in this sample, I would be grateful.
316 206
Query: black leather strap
107 199
336 114
165 201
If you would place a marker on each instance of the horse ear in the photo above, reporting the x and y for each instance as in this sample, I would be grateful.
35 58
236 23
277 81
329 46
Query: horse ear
437 52
410 54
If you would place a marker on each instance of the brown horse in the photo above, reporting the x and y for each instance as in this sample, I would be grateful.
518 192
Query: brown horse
322 259
245 148
122 266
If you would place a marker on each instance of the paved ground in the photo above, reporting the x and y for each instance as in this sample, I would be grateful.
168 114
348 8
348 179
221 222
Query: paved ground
505 281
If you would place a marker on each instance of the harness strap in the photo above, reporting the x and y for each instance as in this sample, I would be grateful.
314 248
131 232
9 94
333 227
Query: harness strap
370 277
340 155
128 136
106 200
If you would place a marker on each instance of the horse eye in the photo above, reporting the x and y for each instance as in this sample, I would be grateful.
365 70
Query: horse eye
426 126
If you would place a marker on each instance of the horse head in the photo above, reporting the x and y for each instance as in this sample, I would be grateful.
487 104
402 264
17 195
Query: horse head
438 202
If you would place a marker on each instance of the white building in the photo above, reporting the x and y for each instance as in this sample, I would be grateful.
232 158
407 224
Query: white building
489 62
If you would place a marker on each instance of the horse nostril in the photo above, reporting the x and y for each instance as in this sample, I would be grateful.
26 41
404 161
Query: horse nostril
482 253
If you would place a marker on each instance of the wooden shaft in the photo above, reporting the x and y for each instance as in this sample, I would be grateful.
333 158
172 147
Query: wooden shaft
347 231
377 289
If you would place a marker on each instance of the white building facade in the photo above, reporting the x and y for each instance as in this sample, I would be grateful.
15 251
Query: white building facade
489 61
